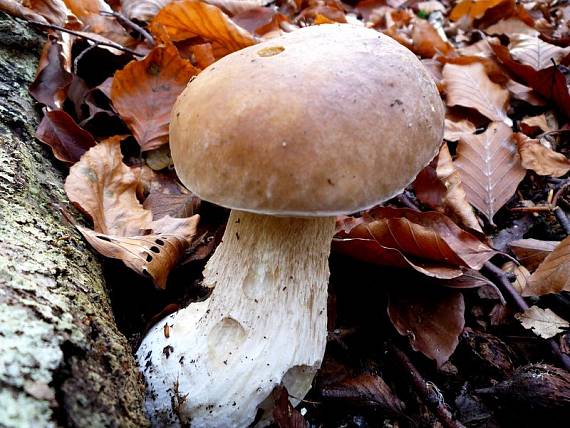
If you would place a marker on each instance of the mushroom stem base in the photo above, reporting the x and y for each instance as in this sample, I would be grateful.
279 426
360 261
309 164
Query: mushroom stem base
264 324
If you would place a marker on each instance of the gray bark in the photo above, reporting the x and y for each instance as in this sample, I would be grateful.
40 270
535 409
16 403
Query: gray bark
62 360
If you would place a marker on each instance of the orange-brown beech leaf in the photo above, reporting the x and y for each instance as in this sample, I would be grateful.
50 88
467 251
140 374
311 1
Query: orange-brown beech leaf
454 200
431 318
66 138
535 125
428 242
541 159
153 255
323 14
490 168
426 40
54 74
15 8
473 9
469 86
548 82
531 252
190 18
142 10
553 274
144 92
533 51
454 129
103 187
524 93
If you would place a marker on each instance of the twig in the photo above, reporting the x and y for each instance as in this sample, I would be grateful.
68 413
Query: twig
562 219
506 288
82 35
130 24
425 390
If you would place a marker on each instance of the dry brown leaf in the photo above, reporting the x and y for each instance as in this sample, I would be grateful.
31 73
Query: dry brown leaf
553 274
531 252
455 129
534 125
543 322
153 255
473 8
428 242
190 18
524 93
426 40
521 275
142 10
490 168
103 187
15 8
144 92
511 26
539 158
469 86
451 199
54 11
533 51
88 12
54 73
431 318
66 138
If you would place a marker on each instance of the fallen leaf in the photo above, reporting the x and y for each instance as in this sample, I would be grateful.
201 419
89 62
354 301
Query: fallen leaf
153 255
67 140
543 322
426 40
142 10
553 274
234 7
455 129
533 51
284 414
521 275
175 205
440 188
535 125
472 8
103 187
490 168
54 11
469 86
431 318
144 92
190 18
511 26
524 93
539 158
548 82
428 242
88 12
363 390
54 73
15 8
531 252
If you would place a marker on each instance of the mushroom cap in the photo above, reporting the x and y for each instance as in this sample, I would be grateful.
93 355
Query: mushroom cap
326 120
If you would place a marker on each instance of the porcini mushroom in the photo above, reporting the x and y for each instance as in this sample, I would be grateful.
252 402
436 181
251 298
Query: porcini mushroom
326 120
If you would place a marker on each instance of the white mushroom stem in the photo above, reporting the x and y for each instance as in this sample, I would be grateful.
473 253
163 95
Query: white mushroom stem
265 323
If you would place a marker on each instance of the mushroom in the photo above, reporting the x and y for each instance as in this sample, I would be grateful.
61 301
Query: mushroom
289 133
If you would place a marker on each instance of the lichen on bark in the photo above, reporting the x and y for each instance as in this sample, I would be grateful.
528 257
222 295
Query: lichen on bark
62 360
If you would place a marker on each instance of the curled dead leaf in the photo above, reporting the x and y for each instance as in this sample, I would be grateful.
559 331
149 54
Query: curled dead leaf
535 52
539 158
531 252
144 92
67 140
553 274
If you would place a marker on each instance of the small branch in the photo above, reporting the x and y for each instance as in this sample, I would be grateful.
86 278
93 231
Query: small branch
425 390
562 219
126 22
82 35
508 290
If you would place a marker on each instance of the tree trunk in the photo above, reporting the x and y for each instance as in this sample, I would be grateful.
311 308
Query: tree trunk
62 360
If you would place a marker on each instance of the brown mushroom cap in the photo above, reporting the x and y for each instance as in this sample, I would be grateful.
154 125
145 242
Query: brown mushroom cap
325 120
